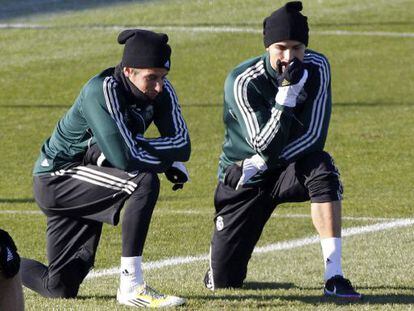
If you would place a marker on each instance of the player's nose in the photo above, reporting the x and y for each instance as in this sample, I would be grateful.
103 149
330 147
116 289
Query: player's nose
288 55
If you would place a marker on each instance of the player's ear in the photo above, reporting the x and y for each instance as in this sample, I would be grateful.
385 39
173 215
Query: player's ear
127 71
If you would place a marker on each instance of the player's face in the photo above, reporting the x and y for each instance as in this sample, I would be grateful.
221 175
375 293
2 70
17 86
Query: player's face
149 81
285 51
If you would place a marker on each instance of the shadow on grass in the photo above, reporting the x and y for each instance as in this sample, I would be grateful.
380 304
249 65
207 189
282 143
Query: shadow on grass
263 299
24 8
383 299
96 297
267 285
370 288
389 299
386 299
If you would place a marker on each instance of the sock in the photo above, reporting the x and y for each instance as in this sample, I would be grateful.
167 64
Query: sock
131 274
332 251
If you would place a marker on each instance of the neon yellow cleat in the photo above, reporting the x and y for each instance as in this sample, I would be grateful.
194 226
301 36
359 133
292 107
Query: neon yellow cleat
147 297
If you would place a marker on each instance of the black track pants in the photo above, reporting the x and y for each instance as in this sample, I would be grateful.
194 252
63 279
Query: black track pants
77 201
241 215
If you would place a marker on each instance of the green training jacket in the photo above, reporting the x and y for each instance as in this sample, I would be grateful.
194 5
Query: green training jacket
106 114
256 124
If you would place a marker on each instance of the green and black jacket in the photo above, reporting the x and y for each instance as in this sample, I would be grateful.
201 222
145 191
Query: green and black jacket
109 112
255 124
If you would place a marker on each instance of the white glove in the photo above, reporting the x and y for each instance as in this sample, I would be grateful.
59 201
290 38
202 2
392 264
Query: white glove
251 167
287 95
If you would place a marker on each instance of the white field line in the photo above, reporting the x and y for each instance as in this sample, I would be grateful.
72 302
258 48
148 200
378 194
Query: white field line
276 215
210 29
285 245
196 212
20 212
362 218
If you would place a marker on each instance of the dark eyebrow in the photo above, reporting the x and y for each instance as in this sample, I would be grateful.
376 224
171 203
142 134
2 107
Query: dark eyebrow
286 47
298 45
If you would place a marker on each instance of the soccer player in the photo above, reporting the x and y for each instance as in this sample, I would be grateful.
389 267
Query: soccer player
97 158
11 292
277 108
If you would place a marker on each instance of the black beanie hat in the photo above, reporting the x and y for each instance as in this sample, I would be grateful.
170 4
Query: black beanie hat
145 49
286 23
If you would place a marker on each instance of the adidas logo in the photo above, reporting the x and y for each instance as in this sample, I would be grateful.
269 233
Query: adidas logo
10 256
167 64
331 292
44 163
208 280
285 82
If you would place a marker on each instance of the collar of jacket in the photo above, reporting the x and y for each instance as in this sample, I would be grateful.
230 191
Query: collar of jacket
271 73
131 91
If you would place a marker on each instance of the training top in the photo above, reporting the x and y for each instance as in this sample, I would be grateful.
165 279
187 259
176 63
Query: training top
256 124
106 113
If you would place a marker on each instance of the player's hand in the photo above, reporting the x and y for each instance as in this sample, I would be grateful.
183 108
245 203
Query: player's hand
291 82
232 175
178 175
9 258
95 156
250 168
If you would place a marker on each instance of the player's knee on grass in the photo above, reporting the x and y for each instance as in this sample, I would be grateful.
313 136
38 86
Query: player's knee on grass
224 278
231 279
59 289
228 268
66 283
322 178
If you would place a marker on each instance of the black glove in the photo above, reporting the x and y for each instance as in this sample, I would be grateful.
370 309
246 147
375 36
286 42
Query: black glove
9 258
95 156
232 175
291 82
178 175
176 187
292 74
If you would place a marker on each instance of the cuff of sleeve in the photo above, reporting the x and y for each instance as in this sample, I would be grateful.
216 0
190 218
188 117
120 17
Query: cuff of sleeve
283 108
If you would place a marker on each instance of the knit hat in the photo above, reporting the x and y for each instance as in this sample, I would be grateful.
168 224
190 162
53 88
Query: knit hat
145 49
286 23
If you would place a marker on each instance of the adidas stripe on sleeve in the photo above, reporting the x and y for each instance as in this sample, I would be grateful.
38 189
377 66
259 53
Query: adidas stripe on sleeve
112 104
180 137
317 129
259 139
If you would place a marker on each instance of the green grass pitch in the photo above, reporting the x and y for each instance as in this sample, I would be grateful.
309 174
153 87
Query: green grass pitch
369 45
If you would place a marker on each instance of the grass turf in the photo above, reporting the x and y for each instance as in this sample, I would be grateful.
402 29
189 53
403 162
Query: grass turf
370 137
